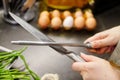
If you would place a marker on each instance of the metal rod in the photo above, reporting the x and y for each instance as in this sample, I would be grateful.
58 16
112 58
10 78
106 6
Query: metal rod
39 43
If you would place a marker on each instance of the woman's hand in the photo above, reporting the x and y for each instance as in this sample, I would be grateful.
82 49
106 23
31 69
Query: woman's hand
104 42
96 69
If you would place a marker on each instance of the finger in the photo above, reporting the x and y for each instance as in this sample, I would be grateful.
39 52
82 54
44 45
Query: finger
101 43
102 50
97 36
89 58
96 51
92 50
110 49
78 66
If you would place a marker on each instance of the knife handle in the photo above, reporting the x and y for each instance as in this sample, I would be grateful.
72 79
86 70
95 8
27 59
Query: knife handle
75 57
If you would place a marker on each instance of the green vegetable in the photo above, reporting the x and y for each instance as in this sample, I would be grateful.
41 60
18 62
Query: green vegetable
7 58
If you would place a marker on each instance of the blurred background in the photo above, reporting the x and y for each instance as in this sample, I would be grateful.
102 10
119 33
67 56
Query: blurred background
100 5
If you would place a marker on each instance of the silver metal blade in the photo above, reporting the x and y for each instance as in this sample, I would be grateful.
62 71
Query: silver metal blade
39 35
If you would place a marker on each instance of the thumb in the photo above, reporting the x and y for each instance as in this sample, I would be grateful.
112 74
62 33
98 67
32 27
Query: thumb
89 58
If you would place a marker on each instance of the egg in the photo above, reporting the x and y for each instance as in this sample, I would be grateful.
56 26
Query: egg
78 13
66 14
56 22
68 23
44 13
43 22
90 23
79 23
55 13
88 14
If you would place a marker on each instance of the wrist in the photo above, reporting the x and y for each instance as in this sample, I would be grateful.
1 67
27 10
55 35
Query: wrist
117 73
117 70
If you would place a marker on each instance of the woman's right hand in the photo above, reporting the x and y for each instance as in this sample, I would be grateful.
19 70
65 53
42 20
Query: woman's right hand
96 68
105 41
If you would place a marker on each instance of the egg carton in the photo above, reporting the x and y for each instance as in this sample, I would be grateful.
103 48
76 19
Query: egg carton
67 20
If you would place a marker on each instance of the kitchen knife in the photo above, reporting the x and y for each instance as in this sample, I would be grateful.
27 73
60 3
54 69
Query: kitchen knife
39 35
41 43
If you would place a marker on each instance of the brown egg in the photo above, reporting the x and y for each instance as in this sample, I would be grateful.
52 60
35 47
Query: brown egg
90 23
56 13
56 22
88 14
79 23
43 22
44 13
66 14
78 13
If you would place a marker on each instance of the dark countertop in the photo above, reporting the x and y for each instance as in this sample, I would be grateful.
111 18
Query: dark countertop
43 59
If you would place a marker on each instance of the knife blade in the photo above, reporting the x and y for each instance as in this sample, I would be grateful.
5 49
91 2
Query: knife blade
41 43
40 36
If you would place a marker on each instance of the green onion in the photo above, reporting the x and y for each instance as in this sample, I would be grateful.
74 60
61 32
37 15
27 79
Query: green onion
7 58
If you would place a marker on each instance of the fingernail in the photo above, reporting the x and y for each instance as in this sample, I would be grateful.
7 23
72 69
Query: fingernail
81 53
